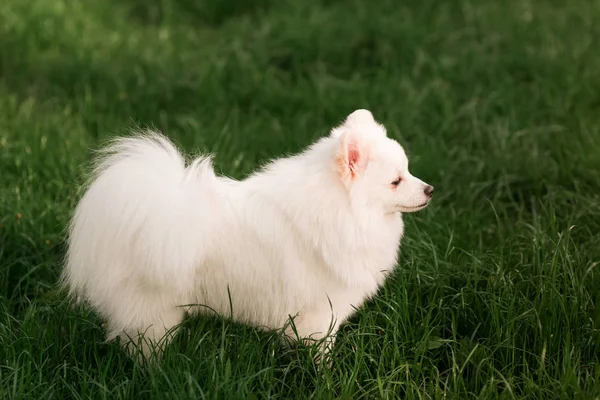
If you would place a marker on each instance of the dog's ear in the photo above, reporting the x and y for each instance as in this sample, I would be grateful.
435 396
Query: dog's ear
356 118
360 116
336 132
352 155
363 119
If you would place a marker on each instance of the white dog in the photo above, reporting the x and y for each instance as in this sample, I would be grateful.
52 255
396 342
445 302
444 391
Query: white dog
309 237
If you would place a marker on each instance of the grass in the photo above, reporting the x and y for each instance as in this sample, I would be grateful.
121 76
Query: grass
497 295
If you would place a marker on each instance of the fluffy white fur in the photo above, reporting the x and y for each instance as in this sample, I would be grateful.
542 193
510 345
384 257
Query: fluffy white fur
311 236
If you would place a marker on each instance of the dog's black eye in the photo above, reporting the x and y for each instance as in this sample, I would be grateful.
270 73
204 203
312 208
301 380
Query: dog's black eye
397 182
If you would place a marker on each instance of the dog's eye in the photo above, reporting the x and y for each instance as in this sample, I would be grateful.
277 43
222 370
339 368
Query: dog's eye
397 182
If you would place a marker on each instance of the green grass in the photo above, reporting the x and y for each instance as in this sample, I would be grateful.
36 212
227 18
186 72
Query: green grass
497 294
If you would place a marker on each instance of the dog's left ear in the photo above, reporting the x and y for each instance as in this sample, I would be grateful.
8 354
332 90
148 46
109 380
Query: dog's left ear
352 156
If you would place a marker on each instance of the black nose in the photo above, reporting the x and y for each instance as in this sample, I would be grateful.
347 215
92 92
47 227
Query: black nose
428 190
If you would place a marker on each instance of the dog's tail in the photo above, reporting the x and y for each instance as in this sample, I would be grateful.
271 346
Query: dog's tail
145 215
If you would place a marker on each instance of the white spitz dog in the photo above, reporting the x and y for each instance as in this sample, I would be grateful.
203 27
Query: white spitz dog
306 239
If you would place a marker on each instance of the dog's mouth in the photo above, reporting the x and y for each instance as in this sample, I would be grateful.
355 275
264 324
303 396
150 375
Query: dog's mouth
412 209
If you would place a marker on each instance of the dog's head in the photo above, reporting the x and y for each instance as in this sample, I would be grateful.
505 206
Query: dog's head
374 168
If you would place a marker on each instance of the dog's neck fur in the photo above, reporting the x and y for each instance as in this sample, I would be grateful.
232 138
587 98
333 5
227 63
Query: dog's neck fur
366 239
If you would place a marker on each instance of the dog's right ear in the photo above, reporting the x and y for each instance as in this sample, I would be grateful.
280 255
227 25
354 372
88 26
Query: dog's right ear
360 116
352 156
357 117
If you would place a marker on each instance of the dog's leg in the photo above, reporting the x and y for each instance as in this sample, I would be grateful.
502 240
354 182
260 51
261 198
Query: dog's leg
317 326
150 334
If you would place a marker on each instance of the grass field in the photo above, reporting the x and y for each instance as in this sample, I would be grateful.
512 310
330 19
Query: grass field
497 294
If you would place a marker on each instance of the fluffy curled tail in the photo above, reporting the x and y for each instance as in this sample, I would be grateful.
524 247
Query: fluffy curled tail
145 217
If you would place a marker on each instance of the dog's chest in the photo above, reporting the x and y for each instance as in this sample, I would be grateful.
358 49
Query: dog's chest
374 254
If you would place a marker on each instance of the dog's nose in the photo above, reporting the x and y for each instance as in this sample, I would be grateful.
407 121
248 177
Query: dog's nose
428 190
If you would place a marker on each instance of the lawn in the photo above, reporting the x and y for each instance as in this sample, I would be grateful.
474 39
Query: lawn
497 293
